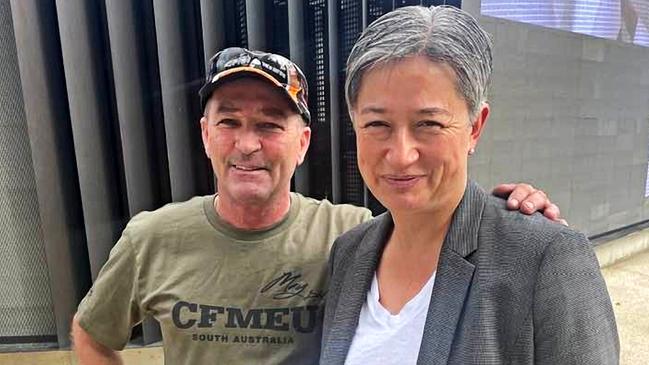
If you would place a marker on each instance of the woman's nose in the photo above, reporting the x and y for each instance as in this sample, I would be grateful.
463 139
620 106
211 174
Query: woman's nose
402 150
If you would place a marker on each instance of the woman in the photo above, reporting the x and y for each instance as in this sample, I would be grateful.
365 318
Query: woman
443 276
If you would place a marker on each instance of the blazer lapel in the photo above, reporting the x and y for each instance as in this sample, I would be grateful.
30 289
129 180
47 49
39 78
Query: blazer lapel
357 282
453 278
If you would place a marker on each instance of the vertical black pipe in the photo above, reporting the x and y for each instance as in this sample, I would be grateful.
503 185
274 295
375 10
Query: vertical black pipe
84 63
129 73
298 55
213 23
179 83
296 32
366 17
256 24
334 110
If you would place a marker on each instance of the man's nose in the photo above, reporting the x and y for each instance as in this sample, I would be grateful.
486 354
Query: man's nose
248 142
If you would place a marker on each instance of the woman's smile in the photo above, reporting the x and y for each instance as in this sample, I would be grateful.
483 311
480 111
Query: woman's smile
402 181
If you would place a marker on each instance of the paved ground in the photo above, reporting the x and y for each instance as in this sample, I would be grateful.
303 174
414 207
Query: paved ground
628 285
135 356
627 281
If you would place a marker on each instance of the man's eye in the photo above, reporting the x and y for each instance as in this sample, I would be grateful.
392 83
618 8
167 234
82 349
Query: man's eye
227 123
269 126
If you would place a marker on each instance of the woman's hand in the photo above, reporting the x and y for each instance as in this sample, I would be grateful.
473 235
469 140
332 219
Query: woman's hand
527 199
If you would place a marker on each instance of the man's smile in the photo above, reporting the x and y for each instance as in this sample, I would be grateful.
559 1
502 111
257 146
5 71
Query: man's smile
248 167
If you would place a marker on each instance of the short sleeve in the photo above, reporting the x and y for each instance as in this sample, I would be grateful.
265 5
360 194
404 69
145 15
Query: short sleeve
111 308
367 215
573 317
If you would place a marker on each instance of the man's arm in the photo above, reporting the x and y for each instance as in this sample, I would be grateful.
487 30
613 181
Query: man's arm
527 199
110 309
89 351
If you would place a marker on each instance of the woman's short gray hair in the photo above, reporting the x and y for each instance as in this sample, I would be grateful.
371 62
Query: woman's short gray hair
444 34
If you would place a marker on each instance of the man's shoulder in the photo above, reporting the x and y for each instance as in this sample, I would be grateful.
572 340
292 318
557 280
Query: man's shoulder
345 215
326 204
357 233
350 241
169 216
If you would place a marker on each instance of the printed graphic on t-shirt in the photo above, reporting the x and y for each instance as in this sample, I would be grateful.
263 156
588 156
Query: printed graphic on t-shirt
273 325
291 284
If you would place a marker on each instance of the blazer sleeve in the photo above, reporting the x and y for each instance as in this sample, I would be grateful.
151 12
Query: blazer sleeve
573 317
330 299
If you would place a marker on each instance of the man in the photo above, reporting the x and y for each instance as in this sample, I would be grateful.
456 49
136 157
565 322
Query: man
238 277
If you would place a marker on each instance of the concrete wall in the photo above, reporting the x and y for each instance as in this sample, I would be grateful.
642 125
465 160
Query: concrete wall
570 114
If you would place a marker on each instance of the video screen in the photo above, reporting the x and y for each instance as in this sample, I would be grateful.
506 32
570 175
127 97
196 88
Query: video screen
623 20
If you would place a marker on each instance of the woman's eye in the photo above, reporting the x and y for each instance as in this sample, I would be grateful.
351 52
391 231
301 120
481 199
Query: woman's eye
429 124
375 124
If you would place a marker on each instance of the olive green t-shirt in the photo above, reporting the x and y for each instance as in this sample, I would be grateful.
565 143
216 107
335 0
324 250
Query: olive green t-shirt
222 295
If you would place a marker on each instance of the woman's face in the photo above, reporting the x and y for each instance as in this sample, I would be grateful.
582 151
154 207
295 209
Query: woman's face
413 135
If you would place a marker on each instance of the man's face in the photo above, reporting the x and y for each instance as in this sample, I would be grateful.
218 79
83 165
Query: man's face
254 139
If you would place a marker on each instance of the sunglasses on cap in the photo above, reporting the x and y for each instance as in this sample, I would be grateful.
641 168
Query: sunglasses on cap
278 70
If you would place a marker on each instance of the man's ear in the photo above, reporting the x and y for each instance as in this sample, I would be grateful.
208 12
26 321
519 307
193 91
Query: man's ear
478 124
305 141
205 136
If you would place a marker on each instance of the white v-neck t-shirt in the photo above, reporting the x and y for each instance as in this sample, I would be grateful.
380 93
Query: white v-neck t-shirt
383 338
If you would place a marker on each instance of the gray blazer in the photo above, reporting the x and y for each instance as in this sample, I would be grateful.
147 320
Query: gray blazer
510 289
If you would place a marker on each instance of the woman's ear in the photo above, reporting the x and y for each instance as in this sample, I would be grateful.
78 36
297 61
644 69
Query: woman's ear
478 124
